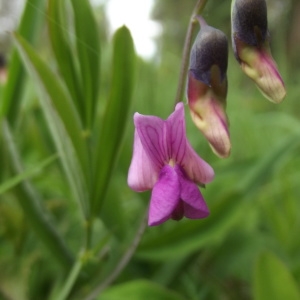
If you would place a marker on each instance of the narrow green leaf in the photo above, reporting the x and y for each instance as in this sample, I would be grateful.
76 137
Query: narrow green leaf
272 280
112 213
28 28
55 91
116 113
58 32
265 166
12 182
31 204
88 51
63 122
139 289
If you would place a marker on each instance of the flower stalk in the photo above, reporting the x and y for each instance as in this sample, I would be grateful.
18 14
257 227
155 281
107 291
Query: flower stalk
187 48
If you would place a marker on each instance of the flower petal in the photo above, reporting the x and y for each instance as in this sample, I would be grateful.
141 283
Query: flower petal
165 196
194 204
143 173
152 133
260 66
197 169
207 108
176 134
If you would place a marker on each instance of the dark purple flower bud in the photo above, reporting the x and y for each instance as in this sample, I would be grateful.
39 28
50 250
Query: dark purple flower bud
210 48
250 23
207 87
250 42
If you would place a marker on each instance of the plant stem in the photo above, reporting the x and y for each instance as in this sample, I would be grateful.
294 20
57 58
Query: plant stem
122 263
30 203
187 48
88 232
71 279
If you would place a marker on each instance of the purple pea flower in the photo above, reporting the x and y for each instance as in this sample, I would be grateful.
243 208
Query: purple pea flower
164 161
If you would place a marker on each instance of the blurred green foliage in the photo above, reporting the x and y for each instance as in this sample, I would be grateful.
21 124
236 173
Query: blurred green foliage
67 216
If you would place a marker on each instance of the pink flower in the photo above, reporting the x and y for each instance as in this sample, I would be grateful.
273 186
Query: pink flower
164 161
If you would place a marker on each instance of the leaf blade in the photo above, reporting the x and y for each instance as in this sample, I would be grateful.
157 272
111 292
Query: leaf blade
116 113
16 75
62 50
63 121
12 182
139 289
88 51
272 279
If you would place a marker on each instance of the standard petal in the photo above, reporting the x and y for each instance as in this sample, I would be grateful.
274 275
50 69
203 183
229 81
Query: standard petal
193 202
165 196
143 173
152 133
176 137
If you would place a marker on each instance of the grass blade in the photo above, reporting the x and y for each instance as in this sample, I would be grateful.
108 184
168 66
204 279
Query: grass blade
116 113
63 52
88 51
63 122
28 28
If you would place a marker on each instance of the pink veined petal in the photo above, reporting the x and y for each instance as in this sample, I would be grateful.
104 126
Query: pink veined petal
270 82
152 133
193 202
207 108
165 196
143 173
176 134
216 128
195 167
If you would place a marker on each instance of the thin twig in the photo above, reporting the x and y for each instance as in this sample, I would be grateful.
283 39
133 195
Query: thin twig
122 263
187 48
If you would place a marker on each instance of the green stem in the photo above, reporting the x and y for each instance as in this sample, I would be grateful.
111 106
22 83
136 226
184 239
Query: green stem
187 48
122 263
88 233
30 203
71 279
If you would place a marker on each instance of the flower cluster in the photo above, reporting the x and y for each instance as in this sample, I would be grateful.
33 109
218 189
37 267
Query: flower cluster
163 160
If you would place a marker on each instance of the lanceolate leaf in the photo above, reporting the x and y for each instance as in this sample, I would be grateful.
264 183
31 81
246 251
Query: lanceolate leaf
31 204
28 28
88 51
116 113
62 119
272 280
11 182
58 32
139 289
